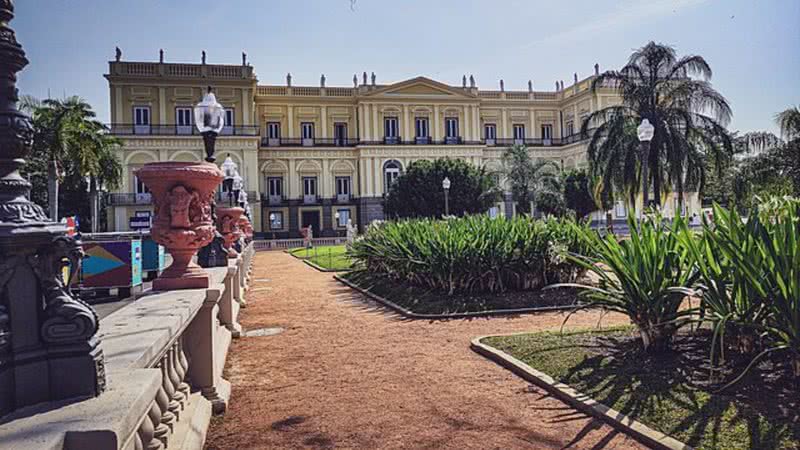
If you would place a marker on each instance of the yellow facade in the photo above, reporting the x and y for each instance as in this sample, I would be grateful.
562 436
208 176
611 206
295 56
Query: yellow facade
320 155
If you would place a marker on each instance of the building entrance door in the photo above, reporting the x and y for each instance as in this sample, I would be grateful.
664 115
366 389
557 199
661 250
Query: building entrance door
310 218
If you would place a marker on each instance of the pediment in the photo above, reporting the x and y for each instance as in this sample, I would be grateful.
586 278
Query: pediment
421 87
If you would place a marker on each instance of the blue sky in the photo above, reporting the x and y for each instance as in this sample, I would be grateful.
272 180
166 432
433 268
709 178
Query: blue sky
753 46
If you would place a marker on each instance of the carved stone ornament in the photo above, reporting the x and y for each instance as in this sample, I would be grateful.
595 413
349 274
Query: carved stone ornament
228 226
182 195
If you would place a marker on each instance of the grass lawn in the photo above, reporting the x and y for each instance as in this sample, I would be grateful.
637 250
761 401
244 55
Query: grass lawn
670 393
424 301
327 257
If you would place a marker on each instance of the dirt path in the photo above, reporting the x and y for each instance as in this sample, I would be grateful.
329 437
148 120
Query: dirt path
347 374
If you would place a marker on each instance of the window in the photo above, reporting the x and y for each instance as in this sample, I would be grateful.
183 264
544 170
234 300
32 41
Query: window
570 128
390 127
276 220
619 209
391 171
451 127
275 186
141 119
139 187
183 120
229 121
310 186
343 217
519 132
547 131
274 130
340 133
141 115
421 128
343 186
490 132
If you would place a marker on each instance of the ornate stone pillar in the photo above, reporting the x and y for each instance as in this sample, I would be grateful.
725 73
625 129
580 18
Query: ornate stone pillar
48 349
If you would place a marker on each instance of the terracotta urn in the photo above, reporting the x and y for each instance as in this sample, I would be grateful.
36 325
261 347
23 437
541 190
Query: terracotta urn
228 225
246 227
182 193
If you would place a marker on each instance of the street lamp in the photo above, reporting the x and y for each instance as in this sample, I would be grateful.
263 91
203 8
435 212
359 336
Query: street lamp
229 171
209 117
446 187
645 131
236 183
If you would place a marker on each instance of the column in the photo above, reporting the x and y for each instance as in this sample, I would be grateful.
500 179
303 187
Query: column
246 107
407 135
504 119
323 111
436 134
291 180
466 126
375 134
118 109
476 122
290 123
576 124
367 167
325 182
250 157
361 134
162 106
365 119
532 118
377 176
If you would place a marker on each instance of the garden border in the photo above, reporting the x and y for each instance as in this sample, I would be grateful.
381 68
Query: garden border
407 313
576 399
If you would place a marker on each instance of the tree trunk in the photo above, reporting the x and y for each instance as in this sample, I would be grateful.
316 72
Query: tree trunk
95 206
656 338
52 190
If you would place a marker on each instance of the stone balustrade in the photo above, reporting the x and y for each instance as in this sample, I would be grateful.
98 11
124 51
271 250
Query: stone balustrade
165 353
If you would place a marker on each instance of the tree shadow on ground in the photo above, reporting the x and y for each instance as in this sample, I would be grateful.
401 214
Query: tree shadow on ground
659 390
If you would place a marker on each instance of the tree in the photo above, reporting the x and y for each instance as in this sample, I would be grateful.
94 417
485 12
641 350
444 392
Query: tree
689 117
789 122
578 193
71 145
418 192
530 181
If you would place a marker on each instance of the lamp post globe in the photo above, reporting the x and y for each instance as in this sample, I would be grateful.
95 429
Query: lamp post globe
446 187
645 132
209 117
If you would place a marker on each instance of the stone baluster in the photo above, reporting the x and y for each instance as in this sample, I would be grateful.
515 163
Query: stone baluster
176 381
183 367
154 417
173 407
146 432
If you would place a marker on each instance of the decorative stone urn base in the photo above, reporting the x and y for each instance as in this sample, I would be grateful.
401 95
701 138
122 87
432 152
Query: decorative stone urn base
182 193
228 219
246 228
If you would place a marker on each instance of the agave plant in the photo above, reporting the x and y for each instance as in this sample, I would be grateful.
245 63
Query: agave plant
646 277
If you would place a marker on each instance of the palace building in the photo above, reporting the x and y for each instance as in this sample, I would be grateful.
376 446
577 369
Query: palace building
320 155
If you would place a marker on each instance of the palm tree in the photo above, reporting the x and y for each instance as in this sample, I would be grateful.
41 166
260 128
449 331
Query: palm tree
689 117
75 142
789 122
528 179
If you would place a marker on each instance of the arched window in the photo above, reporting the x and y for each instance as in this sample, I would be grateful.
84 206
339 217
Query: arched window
391 170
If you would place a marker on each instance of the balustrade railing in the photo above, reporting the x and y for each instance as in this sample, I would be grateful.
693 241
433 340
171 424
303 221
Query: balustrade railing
129 129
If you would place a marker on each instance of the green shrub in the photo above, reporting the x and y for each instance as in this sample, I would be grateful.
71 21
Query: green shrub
646 277
750 279
473 253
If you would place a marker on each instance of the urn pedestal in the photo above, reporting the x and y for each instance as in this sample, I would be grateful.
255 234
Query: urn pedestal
228 219
246 228
182 193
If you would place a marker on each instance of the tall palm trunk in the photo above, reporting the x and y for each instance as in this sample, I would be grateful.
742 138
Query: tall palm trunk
95 206
52 189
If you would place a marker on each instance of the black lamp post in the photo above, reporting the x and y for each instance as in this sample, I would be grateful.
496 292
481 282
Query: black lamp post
645 132
209 117
48 348
446 187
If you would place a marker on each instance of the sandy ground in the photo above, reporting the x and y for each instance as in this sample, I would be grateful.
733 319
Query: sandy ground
346 373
